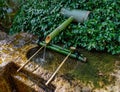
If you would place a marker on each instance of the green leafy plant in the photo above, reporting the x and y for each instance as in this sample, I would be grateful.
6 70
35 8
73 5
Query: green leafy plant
3 11
101 32
7 11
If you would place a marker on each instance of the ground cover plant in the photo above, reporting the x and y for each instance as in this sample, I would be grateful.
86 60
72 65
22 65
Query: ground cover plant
4 18
101 32
8 9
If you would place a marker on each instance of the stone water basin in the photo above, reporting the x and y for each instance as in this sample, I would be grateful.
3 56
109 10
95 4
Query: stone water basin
74 76
23 81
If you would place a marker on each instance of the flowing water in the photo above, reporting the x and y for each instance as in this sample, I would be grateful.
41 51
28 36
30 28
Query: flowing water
44 54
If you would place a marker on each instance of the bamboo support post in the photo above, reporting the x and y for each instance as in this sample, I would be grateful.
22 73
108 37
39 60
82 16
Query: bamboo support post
55 32
57 69
30 58
59 47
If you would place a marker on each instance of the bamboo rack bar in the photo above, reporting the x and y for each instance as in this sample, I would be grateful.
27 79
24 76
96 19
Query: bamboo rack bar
63 51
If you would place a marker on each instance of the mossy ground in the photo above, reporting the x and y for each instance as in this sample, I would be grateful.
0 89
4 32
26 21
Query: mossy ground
96 72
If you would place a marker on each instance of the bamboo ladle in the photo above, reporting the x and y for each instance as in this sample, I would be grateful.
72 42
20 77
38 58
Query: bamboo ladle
72 49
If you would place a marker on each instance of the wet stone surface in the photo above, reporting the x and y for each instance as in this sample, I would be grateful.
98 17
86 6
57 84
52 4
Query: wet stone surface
18 48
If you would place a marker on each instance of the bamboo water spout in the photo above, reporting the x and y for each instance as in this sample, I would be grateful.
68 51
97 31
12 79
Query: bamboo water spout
55 32
77 15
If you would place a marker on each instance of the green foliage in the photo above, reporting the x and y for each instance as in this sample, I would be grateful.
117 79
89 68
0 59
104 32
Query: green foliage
7 11
101 32
3 11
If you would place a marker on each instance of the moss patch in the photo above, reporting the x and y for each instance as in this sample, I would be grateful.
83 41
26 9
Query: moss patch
96 72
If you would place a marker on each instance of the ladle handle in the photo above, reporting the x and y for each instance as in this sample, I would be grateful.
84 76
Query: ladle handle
29 59
57 69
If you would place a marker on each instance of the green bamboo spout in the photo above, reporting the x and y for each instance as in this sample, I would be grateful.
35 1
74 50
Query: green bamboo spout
58 29
78 15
